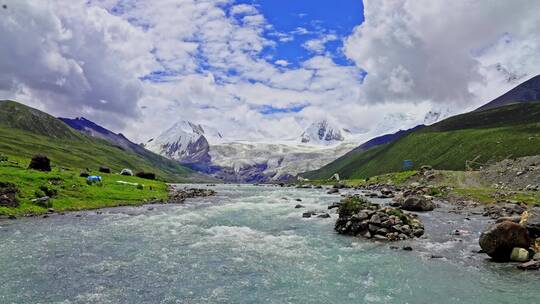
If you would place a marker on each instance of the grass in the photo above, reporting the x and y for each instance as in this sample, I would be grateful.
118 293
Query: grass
25 132
396 178
73 193
488 136
352 205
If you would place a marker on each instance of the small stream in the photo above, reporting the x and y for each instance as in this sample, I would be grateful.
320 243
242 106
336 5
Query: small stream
248 244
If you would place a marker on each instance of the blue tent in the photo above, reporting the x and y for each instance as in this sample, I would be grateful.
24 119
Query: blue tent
407 164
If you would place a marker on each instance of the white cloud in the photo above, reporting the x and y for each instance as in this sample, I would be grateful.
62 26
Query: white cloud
243 9
319 45
282 62
68 58
445 51
210 55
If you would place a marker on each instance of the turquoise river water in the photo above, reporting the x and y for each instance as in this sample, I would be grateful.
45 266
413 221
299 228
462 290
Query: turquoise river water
248 244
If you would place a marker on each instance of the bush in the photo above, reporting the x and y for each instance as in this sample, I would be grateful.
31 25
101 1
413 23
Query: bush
104 169
146 175
3 158
84 174
50 192
140 187
352 205
8 195
41 163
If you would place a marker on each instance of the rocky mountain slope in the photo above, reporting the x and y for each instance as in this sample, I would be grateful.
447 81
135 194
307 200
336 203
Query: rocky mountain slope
184 142
528 91
323 133
482 137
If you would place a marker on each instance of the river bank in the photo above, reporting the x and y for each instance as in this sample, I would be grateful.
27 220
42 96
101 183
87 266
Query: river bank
25 192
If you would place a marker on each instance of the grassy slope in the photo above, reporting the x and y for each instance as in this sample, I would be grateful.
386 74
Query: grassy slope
25 132
73 191
510 131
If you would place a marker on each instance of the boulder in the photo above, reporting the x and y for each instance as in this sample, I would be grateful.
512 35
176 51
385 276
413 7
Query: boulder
333 191
298 206
84 174
426 168
8 195
41 163
42 202
519 255
532 222
126 172
417 203
499 239
104 169
334 205
386 191
530 265
146 175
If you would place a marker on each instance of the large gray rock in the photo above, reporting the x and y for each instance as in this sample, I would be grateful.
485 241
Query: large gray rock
417 203
499 239
533 222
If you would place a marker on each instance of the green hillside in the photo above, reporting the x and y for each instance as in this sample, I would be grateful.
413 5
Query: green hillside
25 131
487 136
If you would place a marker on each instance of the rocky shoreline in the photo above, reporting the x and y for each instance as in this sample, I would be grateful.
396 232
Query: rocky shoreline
506 231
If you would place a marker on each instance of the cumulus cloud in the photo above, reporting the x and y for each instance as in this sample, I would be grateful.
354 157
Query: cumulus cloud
319 45
454 52
71 59
138 66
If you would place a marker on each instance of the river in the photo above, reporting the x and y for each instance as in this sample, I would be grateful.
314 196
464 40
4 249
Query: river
248 244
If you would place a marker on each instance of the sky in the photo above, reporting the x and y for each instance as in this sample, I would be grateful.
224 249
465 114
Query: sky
263 69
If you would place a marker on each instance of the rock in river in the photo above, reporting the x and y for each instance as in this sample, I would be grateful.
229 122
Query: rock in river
359 217
417 203
499 239
532 222
519 255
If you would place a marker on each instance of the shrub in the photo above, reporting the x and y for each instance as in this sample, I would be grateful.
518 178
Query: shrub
146 175
84 174
8 195
50 192
140 187
352 205
41 163
3 158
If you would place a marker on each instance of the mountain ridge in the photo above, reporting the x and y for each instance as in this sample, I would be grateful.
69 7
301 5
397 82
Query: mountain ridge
26 131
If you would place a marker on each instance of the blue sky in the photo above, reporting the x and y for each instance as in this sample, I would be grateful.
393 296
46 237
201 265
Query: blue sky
318 17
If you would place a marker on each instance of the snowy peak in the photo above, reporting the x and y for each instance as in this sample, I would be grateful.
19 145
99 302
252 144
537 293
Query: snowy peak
184 142
436 115
322 132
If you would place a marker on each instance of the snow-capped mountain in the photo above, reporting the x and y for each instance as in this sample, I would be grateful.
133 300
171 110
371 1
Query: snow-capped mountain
184 142
436 115
207 150
323 133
